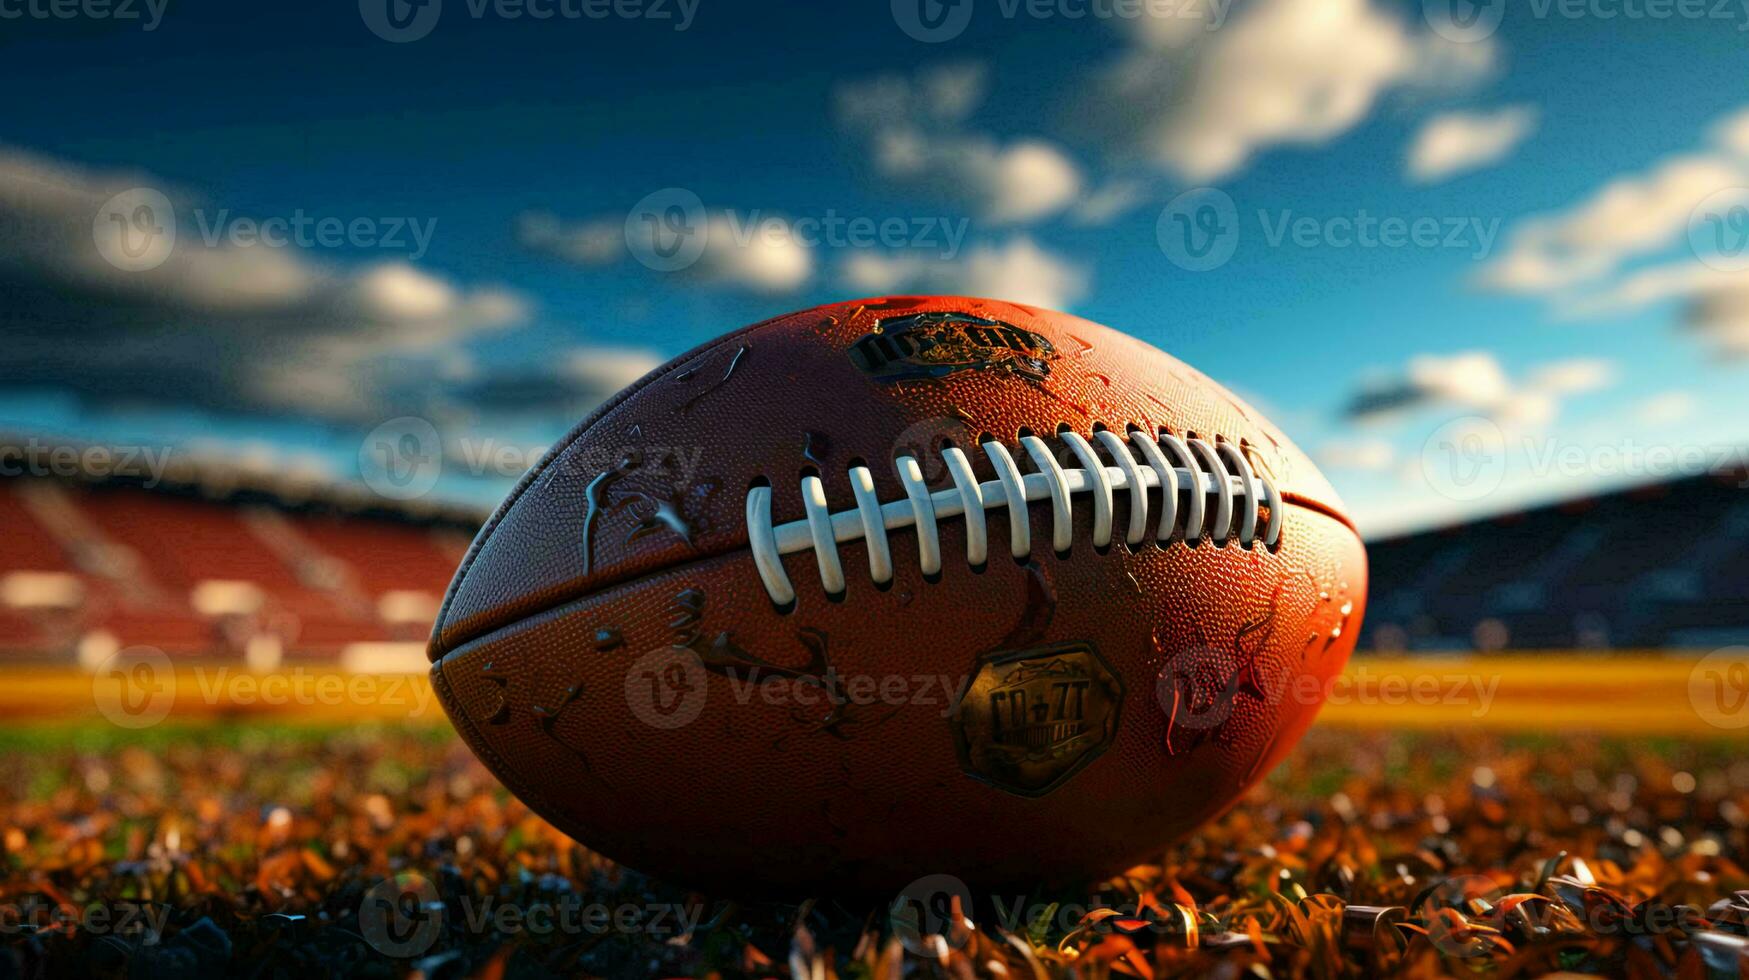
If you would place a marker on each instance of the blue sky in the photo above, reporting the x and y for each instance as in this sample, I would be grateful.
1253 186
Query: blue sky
1570 316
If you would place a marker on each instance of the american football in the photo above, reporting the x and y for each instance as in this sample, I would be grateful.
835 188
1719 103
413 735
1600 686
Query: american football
901 586
874 489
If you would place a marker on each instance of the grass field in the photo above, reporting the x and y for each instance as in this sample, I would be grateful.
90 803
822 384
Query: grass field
293 840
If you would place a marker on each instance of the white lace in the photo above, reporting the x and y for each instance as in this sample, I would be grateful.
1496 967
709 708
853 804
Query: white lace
1192 467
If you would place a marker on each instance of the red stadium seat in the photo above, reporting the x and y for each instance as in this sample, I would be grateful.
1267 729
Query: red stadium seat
29 545
386 557
197 576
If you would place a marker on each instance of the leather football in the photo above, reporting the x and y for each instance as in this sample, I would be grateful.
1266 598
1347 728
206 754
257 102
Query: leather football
901 587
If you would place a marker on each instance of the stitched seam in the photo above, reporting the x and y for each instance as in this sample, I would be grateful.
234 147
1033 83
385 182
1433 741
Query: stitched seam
1202 470
435 646
558 604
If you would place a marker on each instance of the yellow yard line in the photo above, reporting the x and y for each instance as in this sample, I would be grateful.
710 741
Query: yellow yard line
215 691
1524 691
1642 693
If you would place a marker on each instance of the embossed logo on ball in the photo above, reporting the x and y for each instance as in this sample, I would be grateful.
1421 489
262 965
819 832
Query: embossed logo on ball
1031 719
939 344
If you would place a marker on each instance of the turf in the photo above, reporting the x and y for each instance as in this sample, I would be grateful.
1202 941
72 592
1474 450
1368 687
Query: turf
262 850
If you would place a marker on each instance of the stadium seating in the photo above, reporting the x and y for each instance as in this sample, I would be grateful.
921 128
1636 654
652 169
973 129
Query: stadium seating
99 564
29 545
1651 567
96 564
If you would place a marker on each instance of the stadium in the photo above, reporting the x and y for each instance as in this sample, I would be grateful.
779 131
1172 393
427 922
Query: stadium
128 598
210 563
913 489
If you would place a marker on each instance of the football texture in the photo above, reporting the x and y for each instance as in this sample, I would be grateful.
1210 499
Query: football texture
901 587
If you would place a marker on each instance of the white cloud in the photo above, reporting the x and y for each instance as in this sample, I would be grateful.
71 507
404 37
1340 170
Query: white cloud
1018 271
1721 317
942 95
1628 218
760 253
1714 301
1590 260
564 385
871 273
1714 308
1023 181
1667 408
597 241
1456 142
1731 134
1649 285
1026 181
1472 378
1371 455
1474 381
1107 203
1023 273
915 129
1296 72
1573 376
226 326
610 368
764 256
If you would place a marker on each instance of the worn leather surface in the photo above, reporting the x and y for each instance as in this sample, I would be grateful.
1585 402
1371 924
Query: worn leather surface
608 649
744 407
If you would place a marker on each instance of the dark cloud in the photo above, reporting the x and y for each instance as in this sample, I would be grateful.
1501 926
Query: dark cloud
567 387
226 327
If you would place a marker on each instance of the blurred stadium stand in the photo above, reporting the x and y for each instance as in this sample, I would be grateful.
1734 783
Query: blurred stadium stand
1659 566
215 561
219 561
